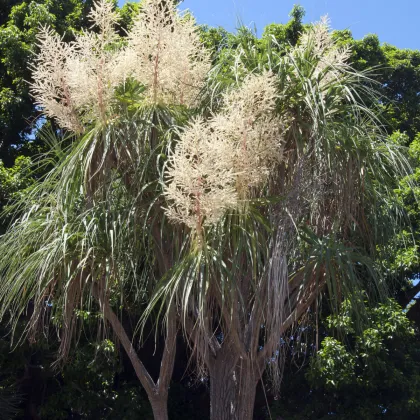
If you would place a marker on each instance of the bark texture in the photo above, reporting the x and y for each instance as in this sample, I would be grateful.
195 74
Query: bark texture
233 383
160 407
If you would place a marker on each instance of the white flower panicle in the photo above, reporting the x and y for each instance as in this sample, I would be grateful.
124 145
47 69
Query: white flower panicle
96 68
103 16
317 37
200 178
248 121
256 96
95 71
75 83
51 87
216 164
331 60
169 57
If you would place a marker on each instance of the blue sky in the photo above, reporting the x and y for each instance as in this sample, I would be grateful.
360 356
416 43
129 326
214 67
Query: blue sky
394 21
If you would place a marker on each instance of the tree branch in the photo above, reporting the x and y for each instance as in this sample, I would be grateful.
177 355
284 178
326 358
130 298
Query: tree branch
211 342
168 356
302 305
141 371
232 322
252 330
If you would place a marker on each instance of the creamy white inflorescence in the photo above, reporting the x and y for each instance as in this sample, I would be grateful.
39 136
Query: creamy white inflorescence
75 82
201 179
168 56
217 163
332 60
249 122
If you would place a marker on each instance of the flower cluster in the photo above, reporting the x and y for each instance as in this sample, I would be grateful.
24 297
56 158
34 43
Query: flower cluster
248 121
217 163
51 86
75 82
200 177
331 60
168 56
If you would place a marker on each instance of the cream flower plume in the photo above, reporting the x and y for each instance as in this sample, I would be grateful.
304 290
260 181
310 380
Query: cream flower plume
217 163
248 121
75 82
331 60
51 87
170 59
201 181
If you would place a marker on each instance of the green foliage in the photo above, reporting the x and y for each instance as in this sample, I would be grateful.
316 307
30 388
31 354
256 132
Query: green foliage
397 71
126 14
14 183
369 373
215 40
402 85
382 364
335 365
86 388
9 403
14 180
289 33
402 252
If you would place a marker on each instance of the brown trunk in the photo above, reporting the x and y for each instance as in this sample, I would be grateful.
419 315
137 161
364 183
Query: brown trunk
247 388
160 407
223 385
233 386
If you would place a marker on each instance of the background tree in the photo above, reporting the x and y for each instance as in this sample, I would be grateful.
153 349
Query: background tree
372 374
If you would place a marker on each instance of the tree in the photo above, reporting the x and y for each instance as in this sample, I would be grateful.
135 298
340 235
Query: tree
239 320
227 205
367 373
397 71
14 181
289 33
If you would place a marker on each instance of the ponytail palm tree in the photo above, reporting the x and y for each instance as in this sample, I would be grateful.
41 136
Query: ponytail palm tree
223 209
287 189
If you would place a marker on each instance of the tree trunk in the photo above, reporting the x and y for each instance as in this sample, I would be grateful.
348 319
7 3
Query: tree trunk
233 386
160 407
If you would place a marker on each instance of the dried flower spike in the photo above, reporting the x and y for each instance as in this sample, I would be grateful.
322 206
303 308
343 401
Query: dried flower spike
201 181
248 121
75 82
51 85
169 57
331 60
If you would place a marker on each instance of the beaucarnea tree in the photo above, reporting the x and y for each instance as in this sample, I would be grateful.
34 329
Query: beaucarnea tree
221 206
287 187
